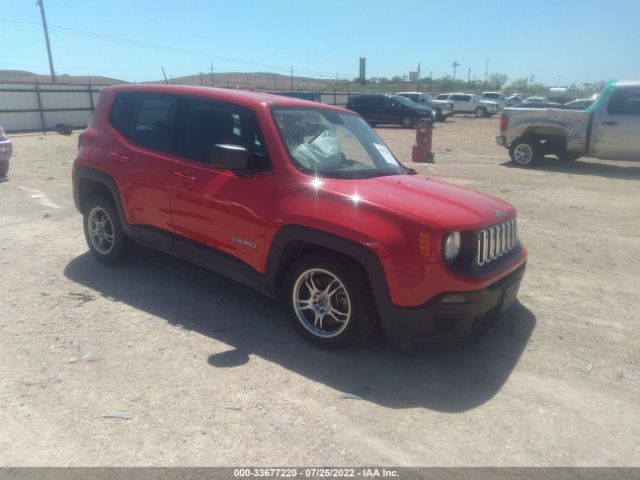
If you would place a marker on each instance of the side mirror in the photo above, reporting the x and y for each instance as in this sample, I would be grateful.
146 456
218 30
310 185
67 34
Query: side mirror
230 157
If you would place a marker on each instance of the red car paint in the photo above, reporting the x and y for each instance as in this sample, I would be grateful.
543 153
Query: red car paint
212 206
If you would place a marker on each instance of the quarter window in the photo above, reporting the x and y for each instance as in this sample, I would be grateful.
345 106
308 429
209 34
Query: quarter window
121 113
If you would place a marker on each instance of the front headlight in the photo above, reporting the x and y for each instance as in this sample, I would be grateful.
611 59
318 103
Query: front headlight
451 247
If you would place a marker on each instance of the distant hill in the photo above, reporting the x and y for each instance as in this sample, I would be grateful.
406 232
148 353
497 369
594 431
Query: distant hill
254 80
20 76
258 80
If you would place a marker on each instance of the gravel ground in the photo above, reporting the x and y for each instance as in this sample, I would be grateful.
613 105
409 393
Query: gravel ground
158 362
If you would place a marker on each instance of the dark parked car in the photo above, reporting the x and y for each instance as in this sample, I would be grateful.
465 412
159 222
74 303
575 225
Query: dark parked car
389 109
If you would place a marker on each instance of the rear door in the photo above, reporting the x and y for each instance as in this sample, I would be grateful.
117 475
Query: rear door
616 127
143 156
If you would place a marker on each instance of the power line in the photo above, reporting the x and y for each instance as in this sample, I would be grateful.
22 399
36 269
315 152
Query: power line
455 66
46 37
158 47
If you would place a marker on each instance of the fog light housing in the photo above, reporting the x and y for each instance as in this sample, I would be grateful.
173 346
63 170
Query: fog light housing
451 247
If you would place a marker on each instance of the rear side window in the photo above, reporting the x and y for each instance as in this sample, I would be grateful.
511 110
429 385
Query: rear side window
121 112
624 102
211 123
153 121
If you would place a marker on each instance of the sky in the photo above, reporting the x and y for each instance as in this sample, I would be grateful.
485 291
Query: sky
566 41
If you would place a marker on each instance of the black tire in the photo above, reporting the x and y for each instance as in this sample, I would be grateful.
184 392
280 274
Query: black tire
525 151
4 169
439 116
406 122
351 294
108 252
480 112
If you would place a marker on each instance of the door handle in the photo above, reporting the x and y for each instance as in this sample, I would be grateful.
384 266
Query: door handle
119 157
610 123
185 177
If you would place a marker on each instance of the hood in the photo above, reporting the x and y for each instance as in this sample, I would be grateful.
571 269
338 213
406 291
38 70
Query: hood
427 199
421 108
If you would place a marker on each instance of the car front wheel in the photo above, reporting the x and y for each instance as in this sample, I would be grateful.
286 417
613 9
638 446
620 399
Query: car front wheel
480 112
328 301
406 122
4 169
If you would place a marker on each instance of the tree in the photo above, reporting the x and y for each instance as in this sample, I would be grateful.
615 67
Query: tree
497 81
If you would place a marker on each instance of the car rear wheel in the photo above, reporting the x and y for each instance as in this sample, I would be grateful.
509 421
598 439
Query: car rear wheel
481 112
406 122
328 302
4 169
103 230
524 151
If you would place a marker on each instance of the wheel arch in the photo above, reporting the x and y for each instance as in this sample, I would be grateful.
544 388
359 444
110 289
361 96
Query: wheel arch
293 240
88 182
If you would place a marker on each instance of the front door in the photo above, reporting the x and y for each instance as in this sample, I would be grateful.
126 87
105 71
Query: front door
216 210
616 126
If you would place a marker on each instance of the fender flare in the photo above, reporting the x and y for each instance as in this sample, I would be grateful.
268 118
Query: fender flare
359 252
82 172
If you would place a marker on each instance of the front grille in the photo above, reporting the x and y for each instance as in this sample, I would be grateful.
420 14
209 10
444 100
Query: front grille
495 241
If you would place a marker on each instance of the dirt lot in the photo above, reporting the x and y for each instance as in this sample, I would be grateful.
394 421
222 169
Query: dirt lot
208 372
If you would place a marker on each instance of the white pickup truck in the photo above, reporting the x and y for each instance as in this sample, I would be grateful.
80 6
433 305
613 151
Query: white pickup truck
608 129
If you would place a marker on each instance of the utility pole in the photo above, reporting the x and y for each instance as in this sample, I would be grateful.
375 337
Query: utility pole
212 78
486 70
455 66
274 81
469 76
166 82
559 80
291 77
46 37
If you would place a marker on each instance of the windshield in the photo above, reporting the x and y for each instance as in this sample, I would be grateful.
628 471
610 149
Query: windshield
326 143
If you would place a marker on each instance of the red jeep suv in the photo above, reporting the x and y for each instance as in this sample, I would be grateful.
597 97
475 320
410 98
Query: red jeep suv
301 201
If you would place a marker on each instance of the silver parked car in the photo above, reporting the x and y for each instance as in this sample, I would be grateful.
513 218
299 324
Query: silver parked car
469 103
6 149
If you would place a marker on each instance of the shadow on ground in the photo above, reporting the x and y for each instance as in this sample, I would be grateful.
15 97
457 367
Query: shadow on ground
585 167
443 378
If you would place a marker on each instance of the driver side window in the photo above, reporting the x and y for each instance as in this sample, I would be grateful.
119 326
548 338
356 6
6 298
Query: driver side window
209 123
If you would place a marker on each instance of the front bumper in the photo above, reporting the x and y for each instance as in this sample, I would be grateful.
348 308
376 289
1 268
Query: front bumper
440 320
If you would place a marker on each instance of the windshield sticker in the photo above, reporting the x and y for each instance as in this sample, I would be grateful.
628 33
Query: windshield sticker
386 154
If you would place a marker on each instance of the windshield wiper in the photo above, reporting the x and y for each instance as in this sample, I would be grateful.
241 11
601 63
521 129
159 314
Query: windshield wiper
378 173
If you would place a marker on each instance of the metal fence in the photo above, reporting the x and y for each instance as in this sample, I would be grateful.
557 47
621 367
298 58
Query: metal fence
41 107
34 107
